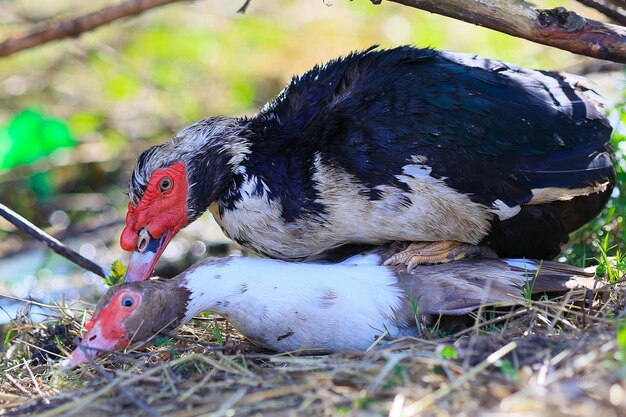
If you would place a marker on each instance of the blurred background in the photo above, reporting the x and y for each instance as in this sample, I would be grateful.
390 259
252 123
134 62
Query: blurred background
75 114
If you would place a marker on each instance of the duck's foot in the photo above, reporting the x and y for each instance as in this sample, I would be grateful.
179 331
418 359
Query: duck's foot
420 253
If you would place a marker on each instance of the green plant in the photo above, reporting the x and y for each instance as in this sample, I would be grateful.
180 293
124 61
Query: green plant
362 403
117 273
161 341
216 332
7 339
621 340
449 352
527 287
508 370
414 303
613 267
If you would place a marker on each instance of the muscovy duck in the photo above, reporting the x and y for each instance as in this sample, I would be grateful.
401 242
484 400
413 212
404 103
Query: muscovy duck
286 306
444 149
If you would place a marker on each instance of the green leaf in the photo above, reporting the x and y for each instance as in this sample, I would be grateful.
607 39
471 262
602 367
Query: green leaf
31 135
449 352
217 334
41 184
507 369
621 340
7 339
342 409
163 341
84 123
362 403
117 273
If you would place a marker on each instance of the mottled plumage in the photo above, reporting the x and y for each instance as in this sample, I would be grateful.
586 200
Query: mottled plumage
404 144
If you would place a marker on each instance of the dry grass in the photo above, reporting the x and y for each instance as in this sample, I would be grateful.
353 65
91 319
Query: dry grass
549 357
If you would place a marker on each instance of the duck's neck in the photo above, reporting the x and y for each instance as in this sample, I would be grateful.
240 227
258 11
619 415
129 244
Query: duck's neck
215 148
287 306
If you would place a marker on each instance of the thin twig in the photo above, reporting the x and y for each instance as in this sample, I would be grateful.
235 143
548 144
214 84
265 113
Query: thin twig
40 304
51 31
32 346
32 377
54 244
244 7
17 384
67 234
615 13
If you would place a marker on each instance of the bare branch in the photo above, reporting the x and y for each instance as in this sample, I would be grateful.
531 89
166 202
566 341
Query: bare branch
51 31
615 13
54 244
557 27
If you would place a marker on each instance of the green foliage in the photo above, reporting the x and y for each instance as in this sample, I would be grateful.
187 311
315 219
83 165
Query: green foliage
396 378
613 267
217 334
59 344
7 339
449 352
116 274
414 302
166 341
414 306
342 409
529 284
31 135
508 370
362 403
621 340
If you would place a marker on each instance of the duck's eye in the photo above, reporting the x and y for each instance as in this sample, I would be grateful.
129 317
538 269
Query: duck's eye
165 184
128 301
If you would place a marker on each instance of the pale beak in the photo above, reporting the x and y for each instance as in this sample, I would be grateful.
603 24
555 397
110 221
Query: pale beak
93 345
146 255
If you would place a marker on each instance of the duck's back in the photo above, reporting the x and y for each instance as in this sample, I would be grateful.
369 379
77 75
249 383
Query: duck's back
416 144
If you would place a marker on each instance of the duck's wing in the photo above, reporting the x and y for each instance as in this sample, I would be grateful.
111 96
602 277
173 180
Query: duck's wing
459 287
485 127
501 135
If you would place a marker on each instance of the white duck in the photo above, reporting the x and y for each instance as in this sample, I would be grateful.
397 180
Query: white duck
287 306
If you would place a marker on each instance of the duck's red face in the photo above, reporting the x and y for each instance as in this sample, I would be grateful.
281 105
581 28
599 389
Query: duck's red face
105 330
159 215
131 313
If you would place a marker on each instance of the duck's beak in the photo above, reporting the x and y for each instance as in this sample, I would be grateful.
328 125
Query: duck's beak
146 255
93 345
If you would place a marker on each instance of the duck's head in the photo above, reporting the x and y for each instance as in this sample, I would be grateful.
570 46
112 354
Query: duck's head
173 184
129 313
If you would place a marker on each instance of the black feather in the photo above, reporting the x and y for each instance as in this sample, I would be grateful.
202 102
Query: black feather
491 130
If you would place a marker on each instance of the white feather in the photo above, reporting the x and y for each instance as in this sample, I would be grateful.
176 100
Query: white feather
288 306
430 211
